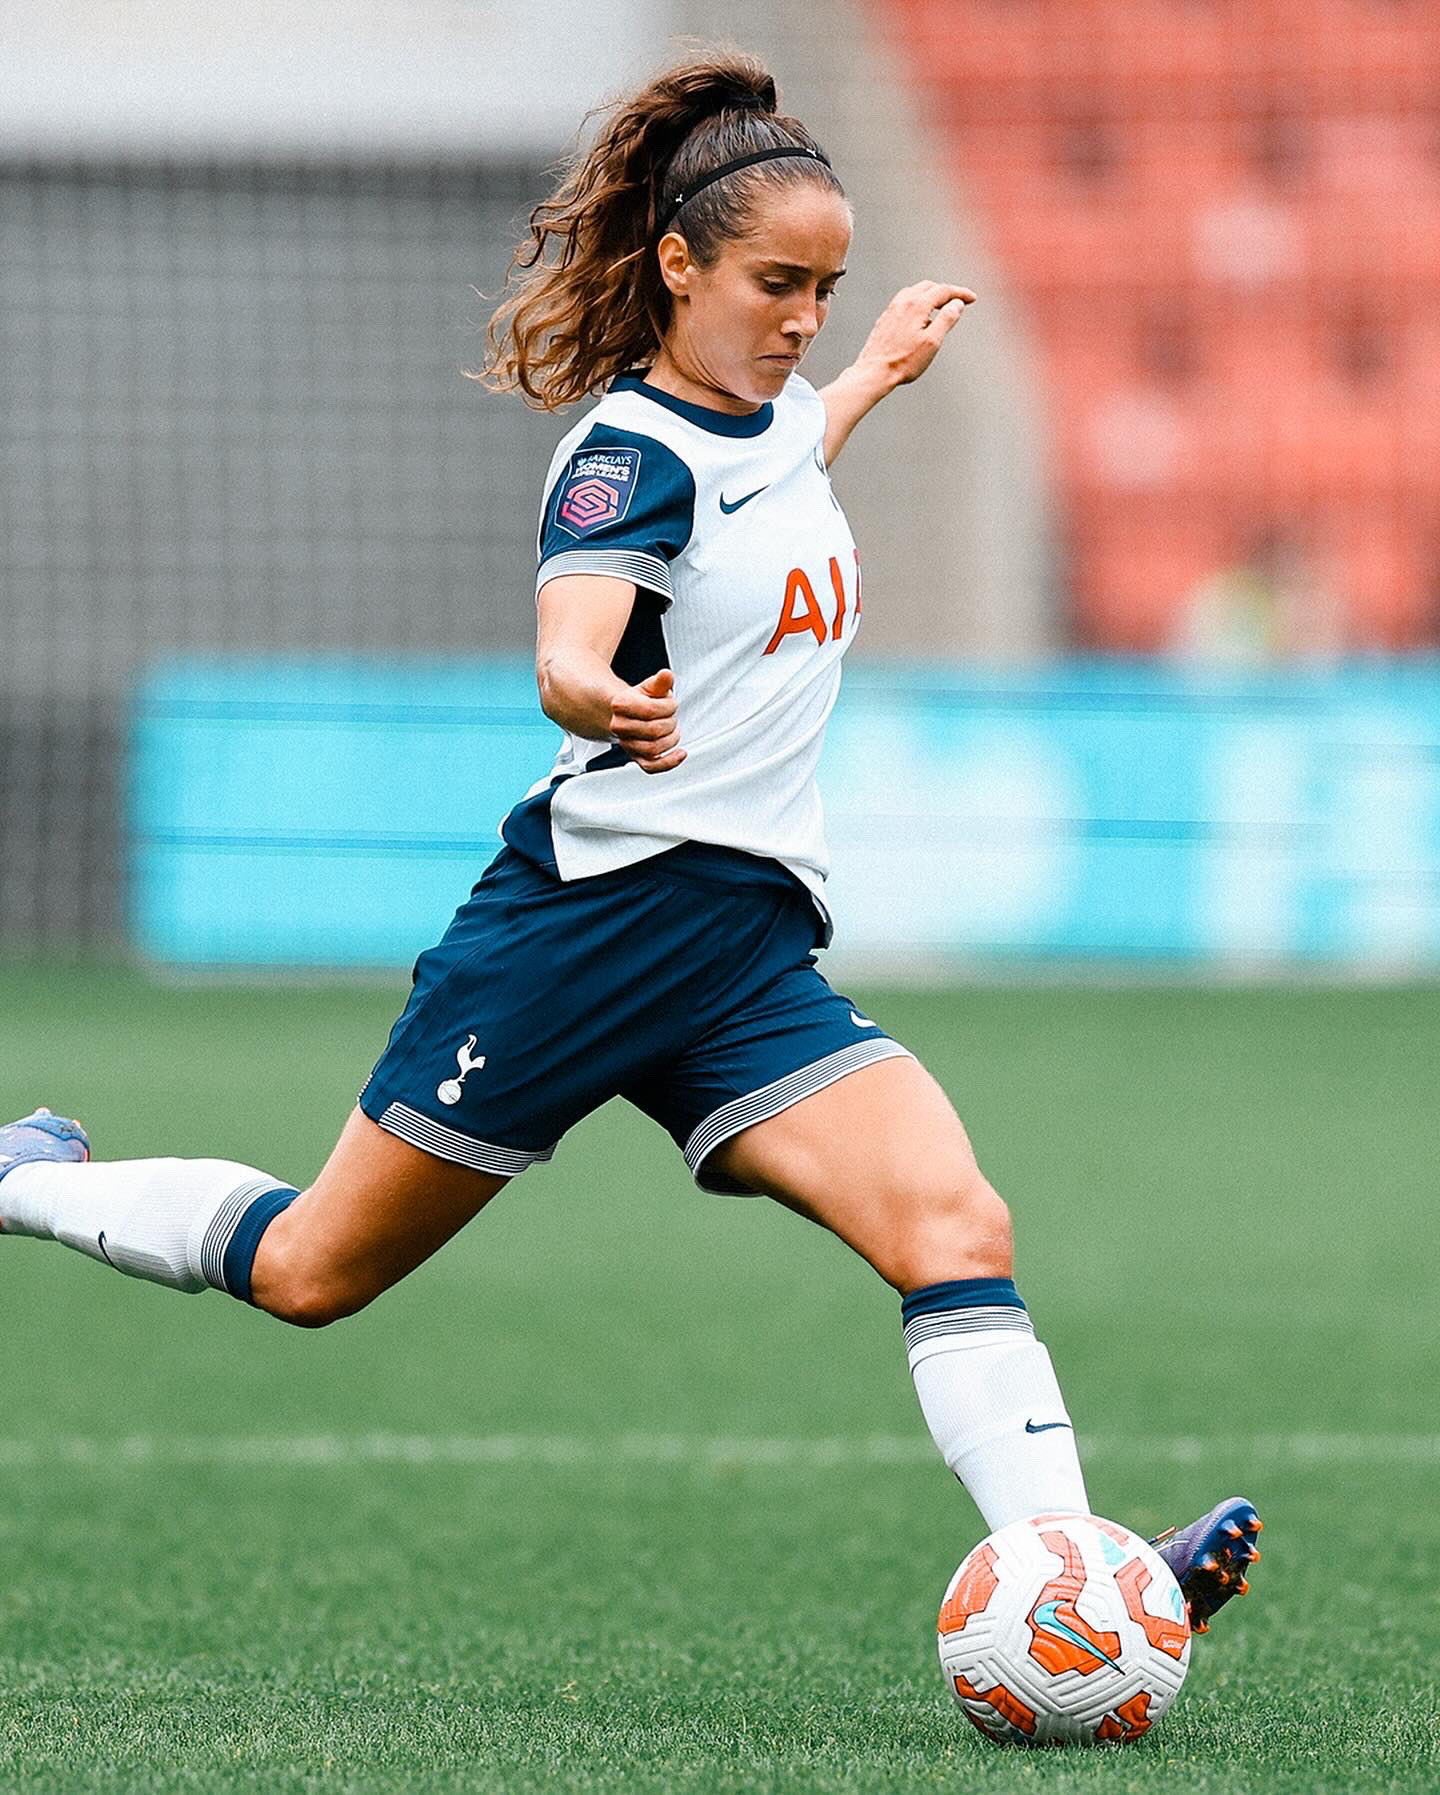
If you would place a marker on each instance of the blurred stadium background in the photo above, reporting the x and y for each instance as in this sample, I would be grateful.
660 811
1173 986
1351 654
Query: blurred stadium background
1152 555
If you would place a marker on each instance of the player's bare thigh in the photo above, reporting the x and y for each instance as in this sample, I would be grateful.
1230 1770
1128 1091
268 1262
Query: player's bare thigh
881 1159
378 1209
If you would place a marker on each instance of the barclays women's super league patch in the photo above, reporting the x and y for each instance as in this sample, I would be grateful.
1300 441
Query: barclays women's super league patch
597 489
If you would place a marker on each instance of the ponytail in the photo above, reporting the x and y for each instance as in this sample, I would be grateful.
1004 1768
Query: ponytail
590 301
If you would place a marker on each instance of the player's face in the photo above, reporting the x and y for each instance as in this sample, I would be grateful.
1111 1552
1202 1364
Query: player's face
742 326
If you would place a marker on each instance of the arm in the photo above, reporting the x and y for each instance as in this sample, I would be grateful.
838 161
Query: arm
582 617
905 340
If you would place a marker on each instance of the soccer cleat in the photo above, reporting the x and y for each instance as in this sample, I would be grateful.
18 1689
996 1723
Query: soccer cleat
40 1136
1210 1556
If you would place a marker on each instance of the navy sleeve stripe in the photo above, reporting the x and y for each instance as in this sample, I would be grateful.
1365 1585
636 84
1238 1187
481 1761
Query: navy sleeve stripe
642 569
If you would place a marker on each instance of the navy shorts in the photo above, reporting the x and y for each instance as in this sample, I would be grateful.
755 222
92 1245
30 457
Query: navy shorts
684 983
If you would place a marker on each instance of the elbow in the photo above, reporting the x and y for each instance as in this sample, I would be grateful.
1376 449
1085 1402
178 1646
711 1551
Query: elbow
545 685
567 698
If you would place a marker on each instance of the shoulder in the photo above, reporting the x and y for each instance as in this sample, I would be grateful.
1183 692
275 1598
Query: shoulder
618 501
608 473
797 391
800 402
619 441
627 416
805 417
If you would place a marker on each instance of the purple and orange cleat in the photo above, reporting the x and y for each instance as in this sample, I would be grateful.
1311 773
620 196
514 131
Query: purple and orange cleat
1210 1556
40 1136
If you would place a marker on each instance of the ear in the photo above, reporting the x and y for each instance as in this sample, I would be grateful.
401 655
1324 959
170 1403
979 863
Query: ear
673 253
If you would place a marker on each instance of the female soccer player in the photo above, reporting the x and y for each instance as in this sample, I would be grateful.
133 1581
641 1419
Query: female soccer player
648 927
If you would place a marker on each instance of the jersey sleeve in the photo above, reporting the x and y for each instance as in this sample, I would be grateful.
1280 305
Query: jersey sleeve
622 504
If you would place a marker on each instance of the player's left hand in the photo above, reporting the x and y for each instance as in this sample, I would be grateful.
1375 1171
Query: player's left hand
908 333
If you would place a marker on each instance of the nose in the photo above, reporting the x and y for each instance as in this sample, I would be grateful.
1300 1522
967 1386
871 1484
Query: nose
804 321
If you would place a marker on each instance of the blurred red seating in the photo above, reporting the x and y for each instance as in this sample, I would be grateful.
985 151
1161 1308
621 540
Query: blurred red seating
1222 223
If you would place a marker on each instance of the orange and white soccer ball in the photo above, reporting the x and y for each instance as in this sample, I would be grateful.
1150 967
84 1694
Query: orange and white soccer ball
1064 1630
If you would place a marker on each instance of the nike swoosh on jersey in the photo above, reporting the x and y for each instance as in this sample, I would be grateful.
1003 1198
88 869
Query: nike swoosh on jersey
1043 1427
739 502
862 1021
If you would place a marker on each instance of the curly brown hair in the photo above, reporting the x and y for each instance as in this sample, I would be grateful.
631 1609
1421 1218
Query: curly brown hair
591 302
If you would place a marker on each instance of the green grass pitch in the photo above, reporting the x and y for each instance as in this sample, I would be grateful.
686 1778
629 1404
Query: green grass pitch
627 1490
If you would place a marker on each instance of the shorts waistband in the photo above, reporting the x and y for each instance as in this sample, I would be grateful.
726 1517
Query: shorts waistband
711 863
705 863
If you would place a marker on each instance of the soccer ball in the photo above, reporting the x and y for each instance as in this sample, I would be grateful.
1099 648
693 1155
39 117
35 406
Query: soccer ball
1064 1630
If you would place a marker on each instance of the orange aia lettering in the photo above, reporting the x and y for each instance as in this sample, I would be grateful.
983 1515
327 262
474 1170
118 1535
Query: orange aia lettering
838 586
793 621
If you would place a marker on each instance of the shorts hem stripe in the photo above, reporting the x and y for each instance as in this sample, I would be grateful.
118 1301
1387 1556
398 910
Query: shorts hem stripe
461 1149
770 1099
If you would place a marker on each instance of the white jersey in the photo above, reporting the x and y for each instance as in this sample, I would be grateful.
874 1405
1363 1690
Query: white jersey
748 587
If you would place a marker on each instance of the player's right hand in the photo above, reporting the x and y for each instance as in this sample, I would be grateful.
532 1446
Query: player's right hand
644 724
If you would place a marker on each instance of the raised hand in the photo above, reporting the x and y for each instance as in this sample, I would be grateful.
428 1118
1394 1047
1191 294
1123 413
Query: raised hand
908 333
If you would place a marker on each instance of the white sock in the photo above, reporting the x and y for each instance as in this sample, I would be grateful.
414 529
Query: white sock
172 1221
989 1396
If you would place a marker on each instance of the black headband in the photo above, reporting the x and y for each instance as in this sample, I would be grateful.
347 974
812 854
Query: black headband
730 168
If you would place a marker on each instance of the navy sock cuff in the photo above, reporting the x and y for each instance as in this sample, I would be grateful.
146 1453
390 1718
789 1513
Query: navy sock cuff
961 1293
240 1250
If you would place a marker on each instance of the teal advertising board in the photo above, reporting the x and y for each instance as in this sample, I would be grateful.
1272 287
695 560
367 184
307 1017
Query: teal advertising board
327 813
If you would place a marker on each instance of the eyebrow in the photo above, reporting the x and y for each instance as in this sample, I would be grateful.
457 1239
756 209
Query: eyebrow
799 268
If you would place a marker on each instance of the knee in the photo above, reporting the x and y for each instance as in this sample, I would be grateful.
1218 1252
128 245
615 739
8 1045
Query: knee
950 1226
289 1284
309 1302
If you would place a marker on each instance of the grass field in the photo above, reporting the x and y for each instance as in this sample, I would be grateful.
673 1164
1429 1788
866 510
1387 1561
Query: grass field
627 1490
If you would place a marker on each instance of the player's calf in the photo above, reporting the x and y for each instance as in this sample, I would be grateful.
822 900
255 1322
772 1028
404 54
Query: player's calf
990 1398
189 1224
986 1385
